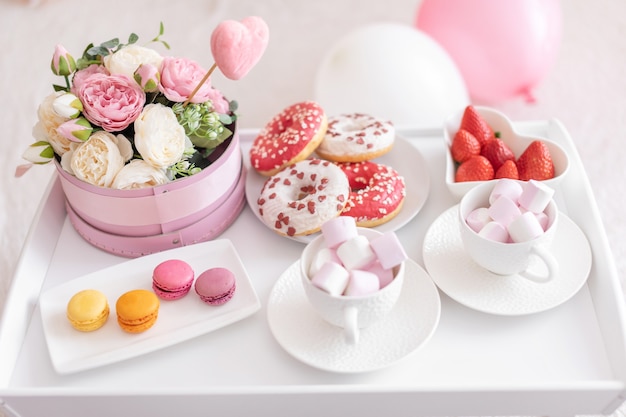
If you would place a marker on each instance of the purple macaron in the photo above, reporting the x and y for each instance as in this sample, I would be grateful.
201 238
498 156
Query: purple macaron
172 279
216 286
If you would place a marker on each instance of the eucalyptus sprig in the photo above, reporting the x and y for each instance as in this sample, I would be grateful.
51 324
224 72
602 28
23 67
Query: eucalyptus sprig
93 54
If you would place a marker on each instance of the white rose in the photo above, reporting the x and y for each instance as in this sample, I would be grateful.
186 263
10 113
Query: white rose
159 138
66 158
46 128
97 160
128 59
126 148
138 174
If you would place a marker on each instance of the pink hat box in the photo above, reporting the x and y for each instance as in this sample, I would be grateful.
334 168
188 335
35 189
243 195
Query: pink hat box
189 210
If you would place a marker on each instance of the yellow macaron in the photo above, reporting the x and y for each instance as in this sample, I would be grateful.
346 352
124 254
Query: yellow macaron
137 310
87 310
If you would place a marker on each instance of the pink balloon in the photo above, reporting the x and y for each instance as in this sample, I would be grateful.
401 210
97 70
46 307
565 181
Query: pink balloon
502 48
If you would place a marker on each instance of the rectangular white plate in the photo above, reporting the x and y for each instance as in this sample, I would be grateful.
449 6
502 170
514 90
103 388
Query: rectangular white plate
178 320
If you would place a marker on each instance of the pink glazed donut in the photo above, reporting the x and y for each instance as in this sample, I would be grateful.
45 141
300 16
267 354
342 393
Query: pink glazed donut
291 136
377 194
299 199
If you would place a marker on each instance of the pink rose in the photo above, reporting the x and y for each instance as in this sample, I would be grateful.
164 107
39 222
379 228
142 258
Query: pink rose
81 75
112 102
180 76
220 104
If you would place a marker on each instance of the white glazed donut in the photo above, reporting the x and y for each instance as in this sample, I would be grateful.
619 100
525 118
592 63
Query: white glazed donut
299 199
356 137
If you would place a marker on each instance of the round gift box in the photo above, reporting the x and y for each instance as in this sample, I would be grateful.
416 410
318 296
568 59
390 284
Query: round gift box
165 214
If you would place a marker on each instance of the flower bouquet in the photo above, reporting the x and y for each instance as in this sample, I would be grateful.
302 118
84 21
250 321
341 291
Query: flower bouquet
145 147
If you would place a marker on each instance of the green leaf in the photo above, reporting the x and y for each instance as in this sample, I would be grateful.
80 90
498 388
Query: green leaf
133 38
161 28
167 45
59 87
110 44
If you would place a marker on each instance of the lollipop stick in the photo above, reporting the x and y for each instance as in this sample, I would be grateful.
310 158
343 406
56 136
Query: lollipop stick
195 90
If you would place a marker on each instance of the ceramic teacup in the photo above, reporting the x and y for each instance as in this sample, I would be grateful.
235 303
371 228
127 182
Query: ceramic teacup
507 258
350 312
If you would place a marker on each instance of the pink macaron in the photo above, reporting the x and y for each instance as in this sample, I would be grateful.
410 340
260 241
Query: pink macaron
172 279
216 286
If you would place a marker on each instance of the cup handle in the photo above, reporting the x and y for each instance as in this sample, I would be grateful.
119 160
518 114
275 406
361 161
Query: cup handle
351 325
548 259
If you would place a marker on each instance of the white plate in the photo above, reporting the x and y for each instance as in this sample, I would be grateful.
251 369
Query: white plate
403 157
310 339
456 274
178 320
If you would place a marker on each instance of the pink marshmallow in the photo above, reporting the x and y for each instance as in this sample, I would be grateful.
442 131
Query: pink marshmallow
356 253
507 188
504 210
543 219
526 227
332 278
478 218
338 230
320 258
385 276
362 283
535 196
494 231
388 250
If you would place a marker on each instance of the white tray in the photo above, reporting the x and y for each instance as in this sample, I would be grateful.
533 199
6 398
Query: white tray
565 361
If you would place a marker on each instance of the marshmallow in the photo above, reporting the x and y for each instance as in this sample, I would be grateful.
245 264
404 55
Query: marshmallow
320 258
525 227
362 283
495 231
332 278
543 219
356 253
507 188
535 196
388 250
338 230
504 210
478 218
385 276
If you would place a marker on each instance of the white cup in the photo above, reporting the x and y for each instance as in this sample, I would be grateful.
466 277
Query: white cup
507 258
350 312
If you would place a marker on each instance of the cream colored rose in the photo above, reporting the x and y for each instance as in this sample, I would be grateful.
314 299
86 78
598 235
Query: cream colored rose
97 160
128 59
46 127
138 174
125 147
159 138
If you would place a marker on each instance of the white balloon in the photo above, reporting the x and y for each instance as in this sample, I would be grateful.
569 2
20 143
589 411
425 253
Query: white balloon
392 71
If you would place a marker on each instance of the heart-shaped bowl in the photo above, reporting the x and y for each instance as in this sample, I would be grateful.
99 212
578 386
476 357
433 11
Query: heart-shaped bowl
518 143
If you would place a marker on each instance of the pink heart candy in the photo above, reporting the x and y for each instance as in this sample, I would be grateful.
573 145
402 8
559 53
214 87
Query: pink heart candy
238 46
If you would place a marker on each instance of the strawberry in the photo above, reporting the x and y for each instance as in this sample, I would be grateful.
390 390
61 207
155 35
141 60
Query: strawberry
535 162
477 168
474 123
496 151
508 170
464 145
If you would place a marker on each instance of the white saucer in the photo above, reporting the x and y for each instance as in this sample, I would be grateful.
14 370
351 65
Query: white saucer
403 157
310 339
456 274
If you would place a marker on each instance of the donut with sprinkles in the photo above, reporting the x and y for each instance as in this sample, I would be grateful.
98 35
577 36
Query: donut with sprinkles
377 192
356 137
299 199
289 137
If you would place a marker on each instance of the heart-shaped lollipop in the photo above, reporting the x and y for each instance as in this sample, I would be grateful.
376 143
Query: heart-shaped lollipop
238 46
